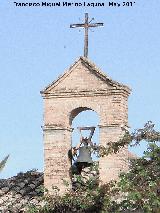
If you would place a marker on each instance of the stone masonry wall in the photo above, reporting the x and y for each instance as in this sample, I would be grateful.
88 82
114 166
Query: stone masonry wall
57 165
57 135
58 110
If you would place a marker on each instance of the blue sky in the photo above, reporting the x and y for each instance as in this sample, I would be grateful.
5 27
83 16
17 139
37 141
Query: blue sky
37 45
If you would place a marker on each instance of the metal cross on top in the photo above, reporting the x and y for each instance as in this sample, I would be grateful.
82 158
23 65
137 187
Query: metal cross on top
86 26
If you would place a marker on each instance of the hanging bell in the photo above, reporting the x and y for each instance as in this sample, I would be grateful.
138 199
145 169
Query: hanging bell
84 155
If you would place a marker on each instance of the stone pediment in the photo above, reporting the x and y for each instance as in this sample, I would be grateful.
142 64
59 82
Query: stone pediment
82 76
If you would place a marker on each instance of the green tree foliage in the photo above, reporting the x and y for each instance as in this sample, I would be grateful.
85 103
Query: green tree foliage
136 191
3 163
141 185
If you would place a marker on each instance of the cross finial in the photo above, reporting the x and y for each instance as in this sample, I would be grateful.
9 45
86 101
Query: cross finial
86 25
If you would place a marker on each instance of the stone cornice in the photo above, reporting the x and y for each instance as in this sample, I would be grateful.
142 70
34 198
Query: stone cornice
55 127
86 93
109 125
112 125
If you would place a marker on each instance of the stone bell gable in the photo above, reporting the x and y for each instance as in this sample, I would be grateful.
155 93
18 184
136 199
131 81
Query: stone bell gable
82 87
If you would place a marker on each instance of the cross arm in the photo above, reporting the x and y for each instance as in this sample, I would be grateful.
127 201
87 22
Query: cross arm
76 25
96 25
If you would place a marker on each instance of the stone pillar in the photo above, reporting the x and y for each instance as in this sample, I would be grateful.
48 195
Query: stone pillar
110 166
57 142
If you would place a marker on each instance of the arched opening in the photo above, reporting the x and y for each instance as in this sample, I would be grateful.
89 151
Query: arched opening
84 117
77 111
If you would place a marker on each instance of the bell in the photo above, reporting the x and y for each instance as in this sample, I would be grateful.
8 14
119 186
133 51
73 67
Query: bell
84 155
